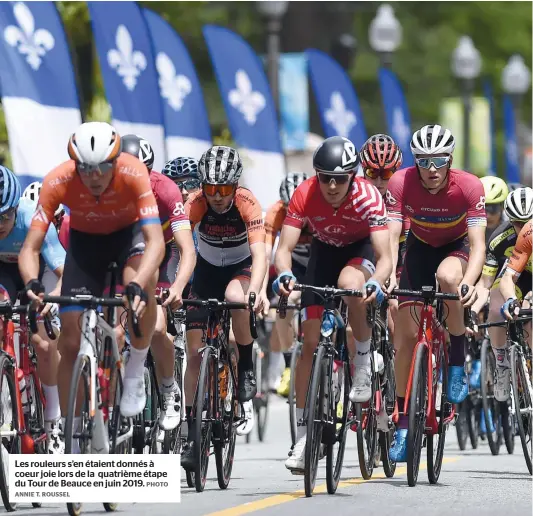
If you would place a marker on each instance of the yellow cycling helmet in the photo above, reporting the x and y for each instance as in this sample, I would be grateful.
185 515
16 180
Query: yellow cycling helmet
496 190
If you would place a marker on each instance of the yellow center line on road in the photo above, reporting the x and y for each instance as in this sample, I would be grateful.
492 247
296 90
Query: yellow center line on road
272 501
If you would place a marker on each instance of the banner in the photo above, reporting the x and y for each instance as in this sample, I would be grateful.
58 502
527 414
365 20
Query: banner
396 113
451 117
336 98
489 95
187 130
250 110
39 93
512 157
130 79
293 101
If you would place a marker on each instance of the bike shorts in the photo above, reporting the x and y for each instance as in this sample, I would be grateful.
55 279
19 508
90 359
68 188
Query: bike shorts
523 284
421 262
299 267
11 284
210 282
89 256
325 266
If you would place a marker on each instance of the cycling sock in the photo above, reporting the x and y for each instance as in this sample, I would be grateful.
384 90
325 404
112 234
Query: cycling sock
135 365
362 354
246 362
501 357
167 384
287 357
300 430
52 411
457 350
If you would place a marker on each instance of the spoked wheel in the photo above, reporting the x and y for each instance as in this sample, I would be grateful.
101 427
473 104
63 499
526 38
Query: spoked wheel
225 432
119 425
385 442
417 414
508 424
172 442
202 416
336 438
79 436
315 413
296 351
521 381
261 400
491 408
473 420
9 426
435 442
461 424
35 417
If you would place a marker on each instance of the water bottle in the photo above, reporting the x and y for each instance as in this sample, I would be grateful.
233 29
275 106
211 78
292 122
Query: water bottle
328 324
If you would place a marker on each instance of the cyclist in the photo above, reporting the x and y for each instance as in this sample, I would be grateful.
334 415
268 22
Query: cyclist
114 218
518 208
231 264
281 337
447 239
15 221
177 233
496 192
184 172
347 217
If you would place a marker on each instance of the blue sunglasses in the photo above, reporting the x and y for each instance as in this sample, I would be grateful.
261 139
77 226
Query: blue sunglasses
438 162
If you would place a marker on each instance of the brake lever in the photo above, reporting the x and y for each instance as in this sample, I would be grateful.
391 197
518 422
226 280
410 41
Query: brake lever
253 318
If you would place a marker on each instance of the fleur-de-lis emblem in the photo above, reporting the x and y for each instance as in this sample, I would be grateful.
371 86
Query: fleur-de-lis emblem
174 88
29 42
340 118
128 62
244 99
400 128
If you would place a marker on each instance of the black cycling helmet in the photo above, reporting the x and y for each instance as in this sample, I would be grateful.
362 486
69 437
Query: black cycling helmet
140 148
336 155
180 167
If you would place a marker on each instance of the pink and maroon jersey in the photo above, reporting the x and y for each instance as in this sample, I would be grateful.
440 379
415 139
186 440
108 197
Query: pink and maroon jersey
441 218
362 212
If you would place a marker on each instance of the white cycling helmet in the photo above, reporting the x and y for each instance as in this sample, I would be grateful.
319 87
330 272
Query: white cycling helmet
519 204
94 143
32 192
432 139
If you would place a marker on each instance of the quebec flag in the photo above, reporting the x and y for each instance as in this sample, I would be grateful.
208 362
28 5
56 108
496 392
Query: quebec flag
130 78
187 131
38 88
250 110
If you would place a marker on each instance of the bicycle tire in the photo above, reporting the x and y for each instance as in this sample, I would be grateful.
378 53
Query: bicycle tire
520 378
155 409
296 351
461 424
385 441
7 371
172 439
139 424
314 431
435 455
334 464
35 416
229 431
189 477
261 402
116 421
417 414
80 375
489 403
473 422
110 507
201 427
508 426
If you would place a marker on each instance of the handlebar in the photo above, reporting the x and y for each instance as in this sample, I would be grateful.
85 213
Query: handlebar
428 294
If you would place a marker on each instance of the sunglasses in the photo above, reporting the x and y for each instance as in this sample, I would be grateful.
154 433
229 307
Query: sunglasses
188 184
100 169
339 179
7 215
223 190
492 209
438 162
384 173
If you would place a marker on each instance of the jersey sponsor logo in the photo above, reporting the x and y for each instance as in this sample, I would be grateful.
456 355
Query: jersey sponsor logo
409 208
179 209
9 257
130 171
149 210
389 198
254 223
60 180
349 156
40 215
434 209
335 229
320 218
481 204
509 234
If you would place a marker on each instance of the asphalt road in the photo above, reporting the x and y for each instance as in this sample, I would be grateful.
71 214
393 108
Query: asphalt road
471 482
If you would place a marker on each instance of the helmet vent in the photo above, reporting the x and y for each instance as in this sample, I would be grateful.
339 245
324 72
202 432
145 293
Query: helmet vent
92 142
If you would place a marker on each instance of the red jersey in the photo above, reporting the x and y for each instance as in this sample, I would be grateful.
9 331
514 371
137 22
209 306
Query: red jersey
362 212
170 205
441 218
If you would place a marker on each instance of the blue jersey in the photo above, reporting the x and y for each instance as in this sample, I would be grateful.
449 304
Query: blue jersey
52 251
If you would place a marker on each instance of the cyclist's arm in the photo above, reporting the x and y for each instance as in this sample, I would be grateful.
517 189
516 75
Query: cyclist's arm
476 259
395 233
29 255
483 291
154 252
257 250
287 242
381 245
507 286
185 245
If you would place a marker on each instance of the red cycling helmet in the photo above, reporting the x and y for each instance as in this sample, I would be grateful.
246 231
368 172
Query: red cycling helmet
380 152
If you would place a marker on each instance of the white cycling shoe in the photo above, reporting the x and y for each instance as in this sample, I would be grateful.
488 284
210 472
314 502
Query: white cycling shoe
133 396
361 390
249 419
171 413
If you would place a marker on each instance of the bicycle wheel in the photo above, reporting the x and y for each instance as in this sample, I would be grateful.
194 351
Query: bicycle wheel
202 425
461 424
172 440
337 432
522 397
78 434
508 425
224 431
119 425
315 411
110 507
473 421
296 351
261 400
491 408
385 442
417 414
35 415
435 442
9 425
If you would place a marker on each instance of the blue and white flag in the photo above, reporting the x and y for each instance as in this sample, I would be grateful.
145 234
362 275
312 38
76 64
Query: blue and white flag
489 95
336 98
128 70
396 113
39 93
250 110
187 131
512 157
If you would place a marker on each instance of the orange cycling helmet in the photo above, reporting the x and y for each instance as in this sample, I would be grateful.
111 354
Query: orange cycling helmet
381 152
